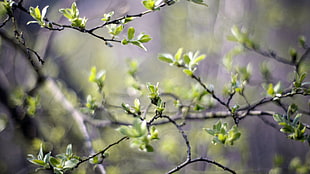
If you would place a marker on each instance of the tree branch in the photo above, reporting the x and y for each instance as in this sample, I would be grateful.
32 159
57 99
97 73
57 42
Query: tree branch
179 167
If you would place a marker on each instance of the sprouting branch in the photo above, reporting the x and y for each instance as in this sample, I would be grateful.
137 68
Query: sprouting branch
211 92
191 116
189 159
270 54
102 151
265 100
117 21
60 27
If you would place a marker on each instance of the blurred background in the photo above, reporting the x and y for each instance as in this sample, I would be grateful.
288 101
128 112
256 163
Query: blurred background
69 56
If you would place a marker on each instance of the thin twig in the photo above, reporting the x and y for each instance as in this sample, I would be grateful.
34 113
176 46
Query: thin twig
179 167
270 54
102 151
183 135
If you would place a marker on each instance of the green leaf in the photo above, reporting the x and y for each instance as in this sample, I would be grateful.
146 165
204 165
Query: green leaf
198 59
200 2
108 16
74 9
69 164
47 157
222 135
270 90
38 162
37 15
302 41
210 131
178 54
54 161
277 88
218 126
125 41
149 4
287 129
72 14
153 133
40 155
222 138
293 53
143 38
236 33
69 150
278 118
137 105
93 73
139 44
187 58
166 58
296 119
128 19
149 148
188 72
131 33
140 126
138 129
96 160
115 29
44 10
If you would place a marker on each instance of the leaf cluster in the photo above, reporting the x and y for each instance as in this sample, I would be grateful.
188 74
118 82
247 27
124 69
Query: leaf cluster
38 15
155 98
90 106
60 164
222 135
73 15
97 77
292 127
133 110
138 41
139 135
241 37
188 61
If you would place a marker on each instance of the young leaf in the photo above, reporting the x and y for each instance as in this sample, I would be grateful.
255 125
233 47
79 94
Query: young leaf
296 119
143 38
149 4
166 58
54 161
198 59
188 72
139 44
38 162
278 118
71 163
187 58
200 2
131 33
178 54
69 150
108 16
